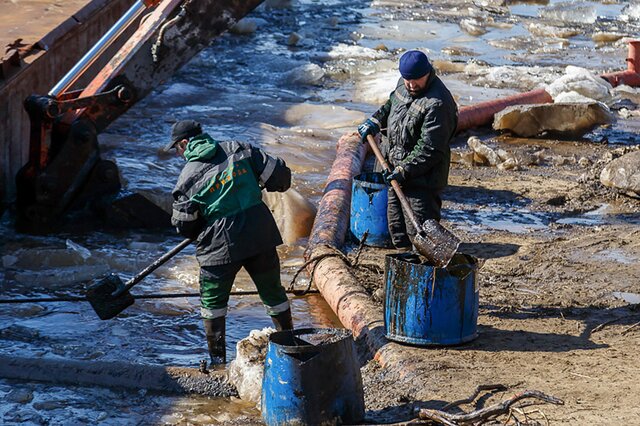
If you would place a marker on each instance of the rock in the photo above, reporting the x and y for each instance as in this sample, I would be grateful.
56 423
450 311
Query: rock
619 152
245 26
246 370
378 294
570 120
528 159
483 151
306 74
463 157
21 396
623 174
293 39
509 164
504 155
478 160
540 156
584 162
559 160
20 333
49 405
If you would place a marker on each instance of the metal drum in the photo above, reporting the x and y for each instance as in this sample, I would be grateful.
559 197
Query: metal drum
369 209
425 305
311 377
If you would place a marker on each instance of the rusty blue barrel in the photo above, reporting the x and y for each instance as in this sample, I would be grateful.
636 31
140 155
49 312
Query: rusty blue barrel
425 305
369 209
311 377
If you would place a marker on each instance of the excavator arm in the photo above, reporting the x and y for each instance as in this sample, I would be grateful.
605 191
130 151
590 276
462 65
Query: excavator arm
64 168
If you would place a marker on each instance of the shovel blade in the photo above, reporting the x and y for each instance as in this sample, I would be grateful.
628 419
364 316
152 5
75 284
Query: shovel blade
100 295
436 243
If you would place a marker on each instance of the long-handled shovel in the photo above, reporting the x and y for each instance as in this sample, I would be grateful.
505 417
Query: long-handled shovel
432 240
110 295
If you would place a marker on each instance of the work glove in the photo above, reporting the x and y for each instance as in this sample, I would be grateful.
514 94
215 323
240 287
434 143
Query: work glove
369 127
397 174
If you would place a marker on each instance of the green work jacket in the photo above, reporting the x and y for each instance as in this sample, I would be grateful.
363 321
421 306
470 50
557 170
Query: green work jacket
218 199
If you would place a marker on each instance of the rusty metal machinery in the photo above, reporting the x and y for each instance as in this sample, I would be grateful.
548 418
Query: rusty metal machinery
64 170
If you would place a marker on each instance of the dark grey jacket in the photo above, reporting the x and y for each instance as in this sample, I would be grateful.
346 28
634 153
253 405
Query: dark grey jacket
250 228
418 132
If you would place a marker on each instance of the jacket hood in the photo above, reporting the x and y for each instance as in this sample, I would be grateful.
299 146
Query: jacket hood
200 148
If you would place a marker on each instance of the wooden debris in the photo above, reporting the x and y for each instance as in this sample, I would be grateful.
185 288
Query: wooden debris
485 414
469 400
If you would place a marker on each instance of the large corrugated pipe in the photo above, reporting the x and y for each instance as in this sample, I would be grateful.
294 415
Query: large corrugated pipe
347 298
176 380
332 221
482 113
630 77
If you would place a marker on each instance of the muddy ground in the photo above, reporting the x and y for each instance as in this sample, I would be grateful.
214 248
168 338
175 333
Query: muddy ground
556 245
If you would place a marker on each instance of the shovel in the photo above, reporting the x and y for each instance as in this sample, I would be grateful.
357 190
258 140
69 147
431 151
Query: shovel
110 296
432 240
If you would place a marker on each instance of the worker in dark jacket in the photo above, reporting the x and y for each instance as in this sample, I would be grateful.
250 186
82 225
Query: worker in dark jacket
420 117
218 200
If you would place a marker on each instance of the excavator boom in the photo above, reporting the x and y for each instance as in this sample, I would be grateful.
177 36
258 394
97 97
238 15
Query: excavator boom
64 168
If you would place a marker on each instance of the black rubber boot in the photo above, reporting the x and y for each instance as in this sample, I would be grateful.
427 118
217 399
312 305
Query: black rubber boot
283 320
215 331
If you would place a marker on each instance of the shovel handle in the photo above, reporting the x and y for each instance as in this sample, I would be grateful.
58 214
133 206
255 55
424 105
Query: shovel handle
396 187
155 265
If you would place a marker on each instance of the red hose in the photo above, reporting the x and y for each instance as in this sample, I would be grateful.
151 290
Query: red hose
482 113
630 77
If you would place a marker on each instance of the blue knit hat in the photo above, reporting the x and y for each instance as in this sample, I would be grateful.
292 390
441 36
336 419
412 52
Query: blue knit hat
414 64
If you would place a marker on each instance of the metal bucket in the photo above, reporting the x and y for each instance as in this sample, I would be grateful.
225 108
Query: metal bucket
425 305
312 376
369 196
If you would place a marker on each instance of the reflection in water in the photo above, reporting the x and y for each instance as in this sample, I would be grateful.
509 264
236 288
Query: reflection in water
295 100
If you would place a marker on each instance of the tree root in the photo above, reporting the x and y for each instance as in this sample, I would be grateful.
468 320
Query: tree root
485 414
469 400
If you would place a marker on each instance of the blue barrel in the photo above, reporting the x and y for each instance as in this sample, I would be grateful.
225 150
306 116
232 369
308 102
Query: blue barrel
369 209
312 376
425 305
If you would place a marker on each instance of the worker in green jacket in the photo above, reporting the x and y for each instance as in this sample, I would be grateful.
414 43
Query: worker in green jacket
420 118
218 201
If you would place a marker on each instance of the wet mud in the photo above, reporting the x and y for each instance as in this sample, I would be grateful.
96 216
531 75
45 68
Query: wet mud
559 255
